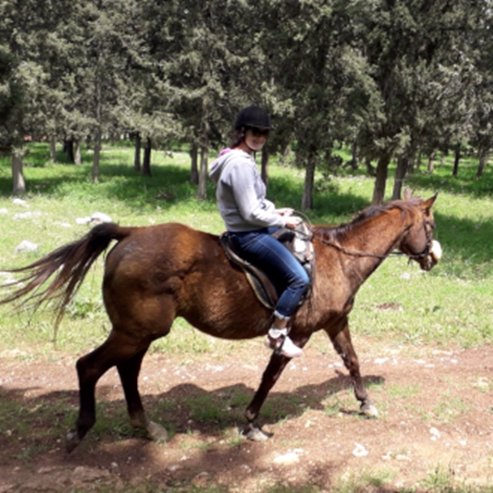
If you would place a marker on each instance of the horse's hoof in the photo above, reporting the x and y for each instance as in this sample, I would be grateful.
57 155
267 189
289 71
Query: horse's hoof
72 440
255 434
369 410
156 432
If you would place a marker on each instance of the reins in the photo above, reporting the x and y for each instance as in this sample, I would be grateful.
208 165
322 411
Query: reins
357 253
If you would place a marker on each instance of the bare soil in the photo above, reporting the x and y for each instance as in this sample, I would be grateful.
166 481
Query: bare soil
436 418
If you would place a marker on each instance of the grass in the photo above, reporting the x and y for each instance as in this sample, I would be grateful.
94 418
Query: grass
451 305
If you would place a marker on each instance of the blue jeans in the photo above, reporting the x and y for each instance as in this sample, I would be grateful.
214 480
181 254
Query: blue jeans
279 264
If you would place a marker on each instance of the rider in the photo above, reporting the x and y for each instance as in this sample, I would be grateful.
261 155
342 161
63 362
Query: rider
251 219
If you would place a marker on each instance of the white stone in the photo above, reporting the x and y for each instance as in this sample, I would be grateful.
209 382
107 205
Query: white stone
100 217
26 246
290 457
360 450
380 361
435 434
27 215
96 217
18 201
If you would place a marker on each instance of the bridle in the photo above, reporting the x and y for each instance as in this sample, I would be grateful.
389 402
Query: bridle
429 227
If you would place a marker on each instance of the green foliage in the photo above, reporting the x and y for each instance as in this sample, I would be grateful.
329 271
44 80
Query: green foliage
329 71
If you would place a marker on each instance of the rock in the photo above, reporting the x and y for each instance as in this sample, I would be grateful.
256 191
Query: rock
290 457
27 215
360 450
96 217
100 217
380 361
26 246
435 434
20 202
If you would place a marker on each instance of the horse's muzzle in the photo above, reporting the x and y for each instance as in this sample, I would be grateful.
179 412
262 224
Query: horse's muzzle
428 262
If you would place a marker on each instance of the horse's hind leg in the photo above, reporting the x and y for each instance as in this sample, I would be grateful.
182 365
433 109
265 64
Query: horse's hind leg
117 348
129 373
341 340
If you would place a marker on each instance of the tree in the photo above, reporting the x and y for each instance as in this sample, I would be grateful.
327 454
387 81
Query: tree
320 87
23 79
417 50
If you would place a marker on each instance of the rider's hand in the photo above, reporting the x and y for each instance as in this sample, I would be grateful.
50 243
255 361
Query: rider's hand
292 222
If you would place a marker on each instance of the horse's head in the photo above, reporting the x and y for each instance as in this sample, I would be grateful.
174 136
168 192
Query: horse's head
418 243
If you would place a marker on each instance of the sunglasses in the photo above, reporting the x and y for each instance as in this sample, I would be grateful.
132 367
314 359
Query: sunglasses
259 132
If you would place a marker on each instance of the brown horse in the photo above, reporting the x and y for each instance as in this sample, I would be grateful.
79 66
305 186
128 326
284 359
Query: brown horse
157 273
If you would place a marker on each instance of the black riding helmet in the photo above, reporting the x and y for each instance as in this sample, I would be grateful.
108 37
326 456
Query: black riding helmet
253 117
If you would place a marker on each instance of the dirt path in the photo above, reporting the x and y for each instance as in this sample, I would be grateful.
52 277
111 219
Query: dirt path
436 423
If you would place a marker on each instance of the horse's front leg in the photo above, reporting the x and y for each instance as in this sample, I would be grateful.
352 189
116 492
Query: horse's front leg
341 339
270 376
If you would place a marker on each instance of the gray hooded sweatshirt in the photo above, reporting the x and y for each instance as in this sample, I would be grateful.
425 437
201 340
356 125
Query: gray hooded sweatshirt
240 193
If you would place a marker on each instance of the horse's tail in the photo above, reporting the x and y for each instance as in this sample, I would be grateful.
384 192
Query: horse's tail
69 264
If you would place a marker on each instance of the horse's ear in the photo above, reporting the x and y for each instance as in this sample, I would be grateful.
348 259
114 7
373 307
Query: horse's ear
427 204
408 193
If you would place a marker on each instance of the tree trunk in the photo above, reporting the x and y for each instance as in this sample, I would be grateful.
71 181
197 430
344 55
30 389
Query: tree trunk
53 148
457 156
307 199
97 156
431 157
354 156
194 159
369 167
285 154
202 188
19 184
381 178
400 174
77 152
68 148
99 129
483 154
403 164
264 166
419 157
146 165
138 147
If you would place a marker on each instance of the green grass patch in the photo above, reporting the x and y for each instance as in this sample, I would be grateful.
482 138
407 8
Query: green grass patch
450 306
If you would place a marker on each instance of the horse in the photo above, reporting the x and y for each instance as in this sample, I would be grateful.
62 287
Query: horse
154 274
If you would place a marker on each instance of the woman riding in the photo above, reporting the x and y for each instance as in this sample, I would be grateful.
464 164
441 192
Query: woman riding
251 219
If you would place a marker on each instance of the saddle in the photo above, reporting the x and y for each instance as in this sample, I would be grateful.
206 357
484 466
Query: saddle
299 243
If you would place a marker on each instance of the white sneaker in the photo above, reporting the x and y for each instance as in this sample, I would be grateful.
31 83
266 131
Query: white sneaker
290 349
284 345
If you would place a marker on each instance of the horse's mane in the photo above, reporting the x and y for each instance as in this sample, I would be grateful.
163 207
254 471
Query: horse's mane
329 232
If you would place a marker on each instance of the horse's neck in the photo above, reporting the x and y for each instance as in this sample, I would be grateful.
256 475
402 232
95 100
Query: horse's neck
372 240
377 235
